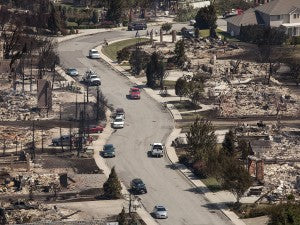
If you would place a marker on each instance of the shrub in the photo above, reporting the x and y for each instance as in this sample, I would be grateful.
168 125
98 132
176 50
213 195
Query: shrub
184 159
295 40
123 55
200 169
184 15
166 27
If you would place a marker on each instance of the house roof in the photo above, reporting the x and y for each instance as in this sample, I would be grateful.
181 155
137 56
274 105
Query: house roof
279 7
247 18
276 7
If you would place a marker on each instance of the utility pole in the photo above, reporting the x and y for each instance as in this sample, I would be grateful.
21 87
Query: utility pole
76 108
61 141
71 139
33 141
42 140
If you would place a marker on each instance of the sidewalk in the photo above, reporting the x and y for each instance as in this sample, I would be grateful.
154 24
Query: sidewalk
220 198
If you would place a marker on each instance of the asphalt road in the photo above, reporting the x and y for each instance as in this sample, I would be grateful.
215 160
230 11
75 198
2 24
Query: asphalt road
146 122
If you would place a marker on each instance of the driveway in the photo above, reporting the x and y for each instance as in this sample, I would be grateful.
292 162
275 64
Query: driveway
146 122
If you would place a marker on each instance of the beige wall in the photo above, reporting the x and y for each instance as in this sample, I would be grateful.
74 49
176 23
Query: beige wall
293 19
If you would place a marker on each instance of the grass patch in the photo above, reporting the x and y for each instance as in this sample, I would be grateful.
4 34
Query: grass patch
72 24
212 184
125 64
184 105
170 84
112 49
223 34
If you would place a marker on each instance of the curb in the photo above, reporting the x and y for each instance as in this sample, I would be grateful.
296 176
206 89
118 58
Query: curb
233 217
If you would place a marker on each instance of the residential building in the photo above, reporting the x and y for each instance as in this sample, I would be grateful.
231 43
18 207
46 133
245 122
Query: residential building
276 13
194 3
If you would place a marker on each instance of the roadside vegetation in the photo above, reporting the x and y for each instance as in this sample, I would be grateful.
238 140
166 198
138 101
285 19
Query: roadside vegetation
112 50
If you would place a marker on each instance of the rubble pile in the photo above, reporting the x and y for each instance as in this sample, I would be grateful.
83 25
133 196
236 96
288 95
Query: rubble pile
16 106
258 100
281 156
23 183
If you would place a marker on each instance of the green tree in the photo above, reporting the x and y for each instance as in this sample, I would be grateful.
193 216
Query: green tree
181 87
285 214
229 143
54 20
179 51
235 177
155 71
122 55
206 18
244 148
122 217
95 17
166 27
115 11
112 187
201 139
138 61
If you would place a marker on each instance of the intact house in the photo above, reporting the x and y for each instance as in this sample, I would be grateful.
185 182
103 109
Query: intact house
276 13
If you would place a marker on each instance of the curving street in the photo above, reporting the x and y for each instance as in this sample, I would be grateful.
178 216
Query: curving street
146 122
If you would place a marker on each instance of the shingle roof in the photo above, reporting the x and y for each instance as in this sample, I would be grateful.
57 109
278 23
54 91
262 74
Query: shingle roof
275 7
279 7
247 18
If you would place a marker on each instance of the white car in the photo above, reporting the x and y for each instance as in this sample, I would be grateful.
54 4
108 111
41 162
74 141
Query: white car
94 54
192 22
157 150
118 123
160 212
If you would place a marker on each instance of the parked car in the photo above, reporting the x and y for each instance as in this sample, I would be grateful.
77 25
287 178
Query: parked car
94 54
94 129
63 140
91 78
188 33
192 22
118 123
160 212
72 72
138 186
108 151
157 150
137 26
134 93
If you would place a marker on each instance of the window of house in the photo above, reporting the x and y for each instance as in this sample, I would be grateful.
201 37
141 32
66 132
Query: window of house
278 17
295 16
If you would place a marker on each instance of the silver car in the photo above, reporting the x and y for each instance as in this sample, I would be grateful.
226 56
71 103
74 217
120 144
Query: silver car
94 54
72 72
160 212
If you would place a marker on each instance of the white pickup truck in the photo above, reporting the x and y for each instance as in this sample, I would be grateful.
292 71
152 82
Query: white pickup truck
91 78
157 150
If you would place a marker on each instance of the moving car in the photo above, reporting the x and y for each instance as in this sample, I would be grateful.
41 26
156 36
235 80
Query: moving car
118 123
119 112
134 93
138 186
94 129
160 212
157 150
137 26
192 22
108 151
94 54
91 78
72 72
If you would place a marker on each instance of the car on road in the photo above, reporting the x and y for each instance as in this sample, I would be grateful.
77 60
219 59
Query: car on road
108 151
91 78
157 150
134 93
72 72
160 212
119 112
118 123
137 26
94 54
94 129
138 186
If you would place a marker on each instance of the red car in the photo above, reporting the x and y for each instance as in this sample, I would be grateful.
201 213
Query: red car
134 93
94 129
